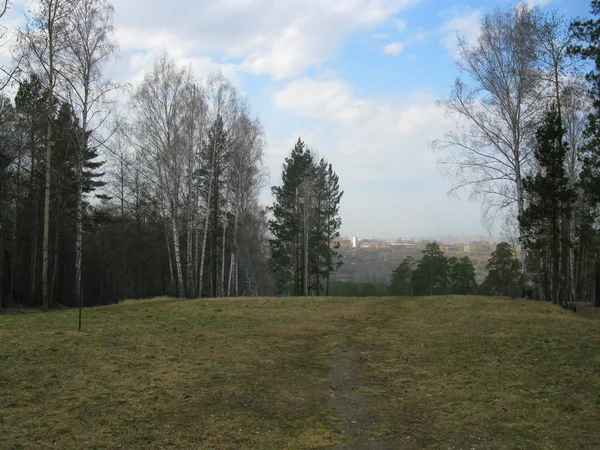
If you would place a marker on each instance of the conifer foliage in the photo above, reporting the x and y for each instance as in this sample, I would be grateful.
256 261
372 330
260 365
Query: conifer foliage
550 199
305 222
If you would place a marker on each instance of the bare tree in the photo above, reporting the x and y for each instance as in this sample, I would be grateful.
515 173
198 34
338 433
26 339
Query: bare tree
247 176
8 73
158 104
221 98
90 43
495 110
44 46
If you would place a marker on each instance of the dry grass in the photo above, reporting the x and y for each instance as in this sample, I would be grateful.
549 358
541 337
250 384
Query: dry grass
445 372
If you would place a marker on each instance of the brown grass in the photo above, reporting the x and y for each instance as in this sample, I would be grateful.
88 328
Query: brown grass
445 372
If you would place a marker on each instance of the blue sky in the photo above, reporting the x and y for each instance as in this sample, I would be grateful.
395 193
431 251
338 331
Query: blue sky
356 79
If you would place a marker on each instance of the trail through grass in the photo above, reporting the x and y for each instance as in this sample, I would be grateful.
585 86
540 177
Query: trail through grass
434 372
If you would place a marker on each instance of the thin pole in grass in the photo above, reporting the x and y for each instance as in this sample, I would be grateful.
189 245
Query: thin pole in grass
80 308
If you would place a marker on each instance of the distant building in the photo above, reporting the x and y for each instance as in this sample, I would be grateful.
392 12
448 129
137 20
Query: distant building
344 242
354 242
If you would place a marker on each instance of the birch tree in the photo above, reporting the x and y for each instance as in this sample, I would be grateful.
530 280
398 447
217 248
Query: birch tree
158 104
90 44
495 105
44 47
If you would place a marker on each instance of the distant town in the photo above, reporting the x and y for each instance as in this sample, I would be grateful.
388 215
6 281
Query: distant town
372 260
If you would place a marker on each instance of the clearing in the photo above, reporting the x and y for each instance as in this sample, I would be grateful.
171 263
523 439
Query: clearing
433 372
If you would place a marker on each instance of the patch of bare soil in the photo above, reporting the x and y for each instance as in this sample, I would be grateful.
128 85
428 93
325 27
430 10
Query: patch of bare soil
351 406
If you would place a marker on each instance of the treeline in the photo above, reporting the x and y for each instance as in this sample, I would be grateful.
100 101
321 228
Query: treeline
527 144
97 207
305 224
436 274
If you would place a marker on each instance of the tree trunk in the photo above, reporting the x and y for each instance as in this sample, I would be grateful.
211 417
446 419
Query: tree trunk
555 263
597 284
189 256
1 243
305 237
169 257
233 252
52 10
46 238
177 253
224 246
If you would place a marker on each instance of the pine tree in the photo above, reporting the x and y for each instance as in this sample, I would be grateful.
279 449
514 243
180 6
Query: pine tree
504 272
333 223
286 226
305 223
587 33
401 279
549 200
431 275
461 275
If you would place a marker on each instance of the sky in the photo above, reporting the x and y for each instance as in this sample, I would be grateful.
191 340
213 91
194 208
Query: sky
357 80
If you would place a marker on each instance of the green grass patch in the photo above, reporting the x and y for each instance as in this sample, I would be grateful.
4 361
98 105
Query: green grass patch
438 372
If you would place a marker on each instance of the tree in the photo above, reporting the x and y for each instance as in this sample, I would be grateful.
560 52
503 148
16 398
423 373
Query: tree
369 290
494 109
90 44
44 47
461 276
504 272
286 226
332 222
7 73
349 289
431 275
587 47
401 279
305 222
158 105
7 156
549 201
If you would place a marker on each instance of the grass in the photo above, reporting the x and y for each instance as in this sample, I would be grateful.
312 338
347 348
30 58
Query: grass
436 372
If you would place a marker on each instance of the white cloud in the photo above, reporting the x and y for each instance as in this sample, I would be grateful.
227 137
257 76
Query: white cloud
380 149
395 48
374 137
401 25
461 21
281 39
533 3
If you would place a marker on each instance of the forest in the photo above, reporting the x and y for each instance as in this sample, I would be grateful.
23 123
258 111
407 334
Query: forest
525 144
103 199
111 191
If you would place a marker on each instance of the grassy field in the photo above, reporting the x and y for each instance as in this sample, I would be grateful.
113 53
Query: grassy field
434 372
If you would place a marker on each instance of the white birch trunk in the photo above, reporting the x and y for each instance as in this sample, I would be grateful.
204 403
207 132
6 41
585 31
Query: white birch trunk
224 246
233 253
177 253
204 237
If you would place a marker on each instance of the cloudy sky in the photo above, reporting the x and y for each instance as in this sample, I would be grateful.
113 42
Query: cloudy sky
356 79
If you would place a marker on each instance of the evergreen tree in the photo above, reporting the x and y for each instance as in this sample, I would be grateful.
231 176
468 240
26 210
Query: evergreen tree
401 279
549 200
369 290
587 33
431 275
461 276
305 223
286 224
504 272
333 222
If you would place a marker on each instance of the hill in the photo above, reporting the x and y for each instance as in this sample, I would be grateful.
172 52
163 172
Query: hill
433 372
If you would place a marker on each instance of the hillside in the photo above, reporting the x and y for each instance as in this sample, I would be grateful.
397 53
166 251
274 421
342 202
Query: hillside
443 372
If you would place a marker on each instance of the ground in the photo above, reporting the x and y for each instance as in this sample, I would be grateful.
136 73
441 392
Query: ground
379 373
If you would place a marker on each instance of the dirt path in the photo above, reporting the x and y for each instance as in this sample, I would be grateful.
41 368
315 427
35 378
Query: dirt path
351 406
